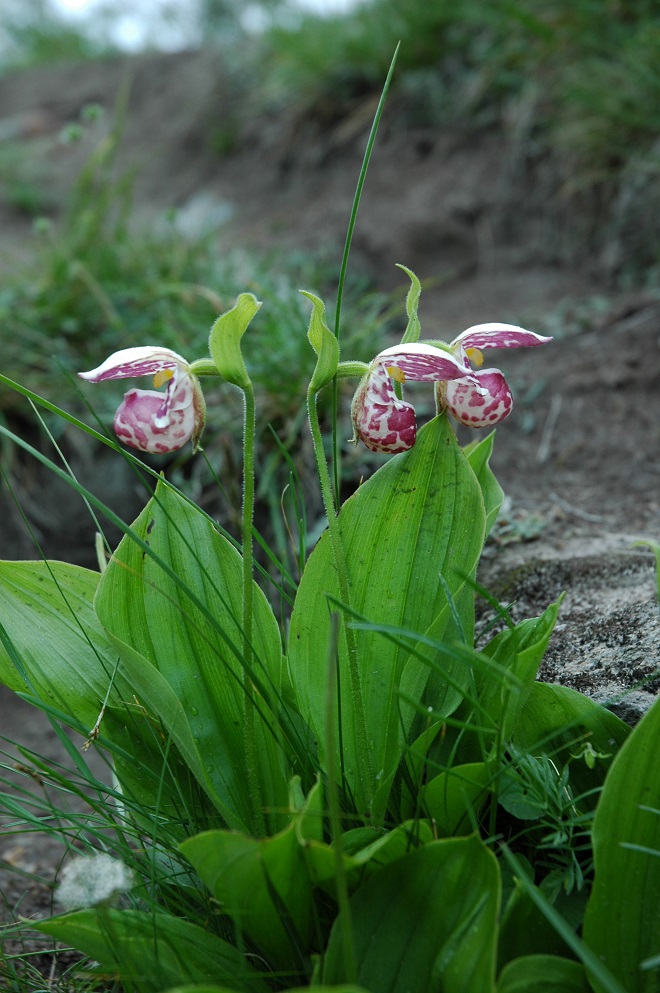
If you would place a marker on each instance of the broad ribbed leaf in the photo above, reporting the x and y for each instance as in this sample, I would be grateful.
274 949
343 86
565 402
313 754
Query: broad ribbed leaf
622 922
53 648
63 655
454 798
426 923
517 652
543 974
409 533
572 728
153 951
478 454
174 597
263 885
364 852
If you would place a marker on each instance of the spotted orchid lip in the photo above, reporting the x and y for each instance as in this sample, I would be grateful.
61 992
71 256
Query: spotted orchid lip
479 404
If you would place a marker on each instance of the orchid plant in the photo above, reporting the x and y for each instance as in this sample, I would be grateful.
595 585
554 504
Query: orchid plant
337 787
323 776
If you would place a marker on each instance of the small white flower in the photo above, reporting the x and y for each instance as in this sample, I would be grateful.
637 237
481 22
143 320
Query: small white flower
90 880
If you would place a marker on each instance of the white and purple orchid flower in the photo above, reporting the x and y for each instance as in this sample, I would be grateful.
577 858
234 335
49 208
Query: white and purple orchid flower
149 420
476 397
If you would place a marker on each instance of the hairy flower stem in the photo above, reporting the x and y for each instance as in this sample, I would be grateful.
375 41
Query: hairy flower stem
362 751
249 422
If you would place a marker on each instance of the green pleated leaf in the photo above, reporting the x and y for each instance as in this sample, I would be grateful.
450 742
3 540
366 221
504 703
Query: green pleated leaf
543 974
54 649
517 652
364 852
153 951
263 886
53 645
622 922
560 721
411 535
174 597
426 923
454 798
478 454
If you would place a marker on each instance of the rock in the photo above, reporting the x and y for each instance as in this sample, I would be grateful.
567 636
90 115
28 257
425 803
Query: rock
606 642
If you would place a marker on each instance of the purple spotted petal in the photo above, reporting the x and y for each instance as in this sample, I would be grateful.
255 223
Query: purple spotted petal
382 421
422 363
497 336
143 421
479 404
145 360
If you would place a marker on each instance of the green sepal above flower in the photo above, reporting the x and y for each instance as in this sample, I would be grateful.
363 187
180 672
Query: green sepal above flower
324 343
413 328
225 340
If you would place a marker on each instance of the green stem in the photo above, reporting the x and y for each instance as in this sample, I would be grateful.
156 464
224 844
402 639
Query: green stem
249 427
204 367
362 750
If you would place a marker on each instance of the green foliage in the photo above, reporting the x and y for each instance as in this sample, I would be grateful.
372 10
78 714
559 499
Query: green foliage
352 797
156 619
593 61
425 922
544 974
468 743
621 922
398 533
151 952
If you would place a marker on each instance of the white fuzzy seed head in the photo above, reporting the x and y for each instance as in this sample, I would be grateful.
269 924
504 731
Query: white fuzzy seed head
91 880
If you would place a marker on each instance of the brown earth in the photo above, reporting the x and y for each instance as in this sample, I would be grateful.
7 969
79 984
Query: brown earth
484 223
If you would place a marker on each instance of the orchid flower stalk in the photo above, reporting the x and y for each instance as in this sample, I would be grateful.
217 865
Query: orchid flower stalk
326 346
225 348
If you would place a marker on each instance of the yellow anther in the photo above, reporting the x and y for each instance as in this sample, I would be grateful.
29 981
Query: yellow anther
398 375
162 376
475 355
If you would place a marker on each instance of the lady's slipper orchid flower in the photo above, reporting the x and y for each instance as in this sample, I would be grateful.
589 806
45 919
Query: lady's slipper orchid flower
380 419
149 420
483 398
477 398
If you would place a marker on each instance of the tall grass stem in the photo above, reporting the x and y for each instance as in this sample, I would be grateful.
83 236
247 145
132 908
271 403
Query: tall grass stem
249 430
344 264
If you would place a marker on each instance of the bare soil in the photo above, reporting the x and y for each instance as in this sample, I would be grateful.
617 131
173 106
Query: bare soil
479 218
